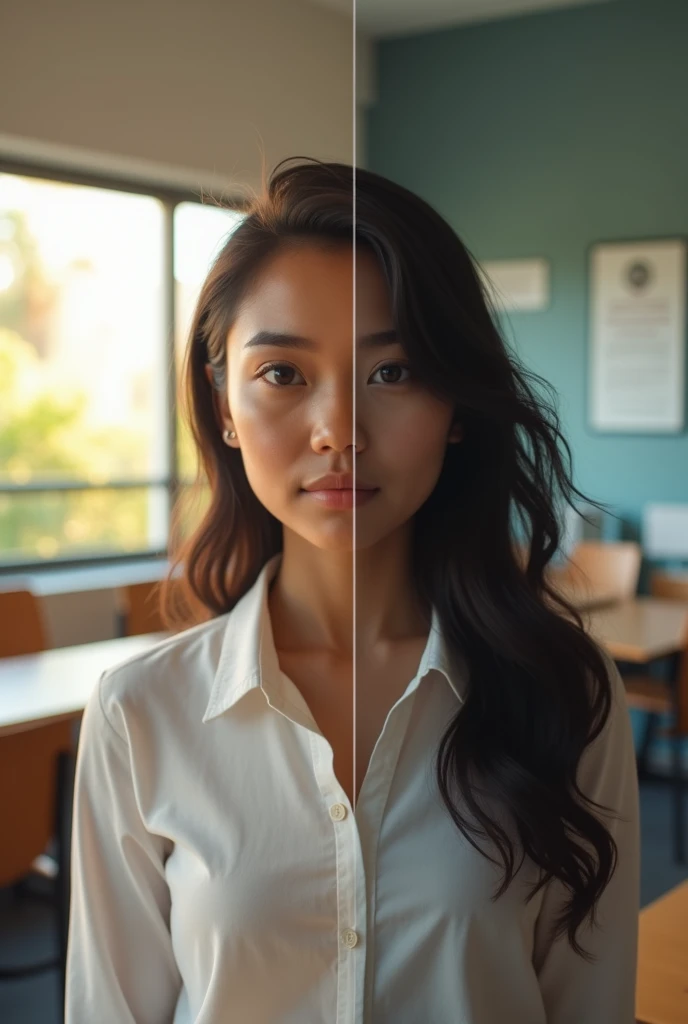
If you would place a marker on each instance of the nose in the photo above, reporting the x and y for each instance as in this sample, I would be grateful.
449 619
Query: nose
334 428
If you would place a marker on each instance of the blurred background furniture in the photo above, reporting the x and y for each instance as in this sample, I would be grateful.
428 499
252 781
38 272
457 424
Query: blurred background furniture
666 696
22 629
55 685
612 567
672 586
37 769
80 604
662 980
598 573
642 635
138 609
42 697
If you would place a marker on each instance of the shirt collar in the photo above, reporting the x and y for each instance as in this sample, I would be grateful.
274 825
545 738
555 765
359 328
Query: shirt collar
248 657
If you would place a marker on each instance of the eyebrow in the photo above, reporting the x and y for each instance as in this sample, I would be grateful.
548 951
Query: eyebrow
278 339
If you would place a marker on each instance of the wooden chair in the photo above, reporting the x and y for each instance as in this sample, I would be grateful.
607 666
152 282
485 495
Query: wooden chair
648 693
672 588
37 768
607 566
22 630
657 696
138 609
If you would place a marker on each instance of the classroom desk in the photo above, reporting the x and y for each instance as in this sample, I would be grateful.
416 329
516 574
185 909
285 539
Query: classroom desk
56 684
662 984
642 629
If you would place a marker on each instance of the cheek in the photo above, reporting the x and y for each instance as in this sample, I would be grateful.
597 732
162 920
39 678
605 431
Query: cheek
269 442
267 450
416 439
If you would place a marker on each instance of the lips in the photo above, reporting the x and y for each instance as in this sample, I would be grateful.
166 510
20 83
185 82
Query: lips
337 482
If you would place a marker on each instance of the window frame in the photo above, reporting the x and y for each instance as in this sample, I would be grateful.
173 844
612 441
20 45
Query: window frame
170 197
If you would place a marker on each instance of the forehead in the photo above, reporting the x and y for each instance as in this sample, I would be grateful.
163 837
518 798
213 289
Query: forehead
306 289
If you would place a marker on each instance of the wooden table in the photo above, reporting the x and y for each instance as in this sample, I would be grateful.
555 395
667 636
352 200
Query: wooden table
662 986
56 684
642 629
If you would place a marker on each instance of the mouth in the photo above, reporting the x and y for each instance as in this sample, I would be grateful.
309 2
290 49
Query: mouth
342 497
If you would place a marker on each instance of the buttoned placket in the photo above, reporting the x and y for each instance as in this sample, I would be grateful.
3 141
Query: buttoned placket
369 813
356 837
350 880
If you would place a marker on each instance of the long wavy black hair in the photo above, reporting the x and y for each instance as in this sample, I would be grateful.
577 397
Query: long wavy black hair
539 690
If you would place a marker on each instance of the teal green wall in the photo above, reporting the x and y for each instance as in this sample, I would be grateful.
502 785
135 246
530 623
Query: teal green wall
536 136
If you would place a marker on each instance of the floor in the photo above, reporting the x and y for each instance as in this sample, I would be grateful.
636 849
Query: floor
26 929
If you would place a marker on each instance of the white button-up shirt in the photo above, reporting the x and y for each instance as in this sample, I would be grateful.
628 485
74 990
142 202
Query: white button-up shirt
220 875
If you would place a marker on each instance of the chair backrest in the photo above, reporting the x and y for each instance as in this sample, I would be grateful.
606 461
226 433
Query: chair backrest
140 609
28 769
673 588
21 624
608 566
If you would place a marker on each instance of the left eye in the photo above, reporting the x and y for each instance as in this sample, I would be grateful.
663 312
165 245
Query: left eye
394 367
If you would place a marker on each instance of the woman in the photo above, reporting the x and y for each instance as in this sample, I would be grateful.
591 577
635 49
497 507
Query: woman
476 861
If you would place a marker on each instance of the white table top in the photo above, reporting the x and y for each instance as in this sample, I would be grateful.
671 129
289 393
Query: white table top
44 582
56 684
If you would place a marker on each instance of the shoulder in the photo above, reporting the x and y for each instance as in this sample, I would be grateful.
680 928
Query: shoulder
608 762
618 711
171 678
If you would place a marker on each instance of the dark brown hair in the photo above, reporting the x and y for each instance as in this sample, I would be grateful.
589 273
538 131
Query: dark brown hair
509 478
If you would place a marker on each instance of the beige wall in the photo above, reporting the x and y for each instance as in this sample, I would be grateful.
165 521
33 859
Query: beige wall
366 91
180 91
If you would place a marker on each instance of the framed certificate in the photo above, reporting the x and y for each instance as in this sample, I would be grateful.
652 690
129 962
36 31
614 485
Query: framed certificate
637 339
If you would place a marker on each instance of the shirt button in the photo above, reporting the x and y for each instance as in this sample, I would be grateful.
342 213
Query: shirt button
349 938
337 812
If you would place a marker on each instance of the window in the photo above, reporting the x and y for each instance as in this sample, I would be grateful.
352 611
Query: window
87 467
199 232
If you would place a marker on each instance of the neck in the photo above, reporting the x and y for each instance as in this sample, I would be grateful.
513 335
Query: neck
313 598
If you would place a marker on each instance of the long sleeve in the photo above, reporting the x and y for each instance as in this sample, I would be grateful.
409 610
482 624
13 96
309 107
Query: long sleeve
120 963
603 992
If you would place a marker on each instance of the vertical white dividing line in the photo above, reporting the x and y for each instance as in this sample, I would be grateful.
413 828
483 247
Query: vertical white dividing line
353 399
353 342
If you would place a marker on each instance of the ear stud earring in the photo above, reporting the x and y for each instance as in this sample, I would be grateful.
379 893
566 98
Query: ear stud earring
227 434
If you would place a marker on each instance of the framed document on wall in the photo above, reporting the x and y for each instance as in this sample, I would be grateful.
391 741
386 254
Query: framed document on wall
637 309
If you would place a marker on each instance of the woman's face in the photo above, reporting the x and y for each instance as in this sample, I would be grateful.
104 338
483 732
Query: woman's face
290 398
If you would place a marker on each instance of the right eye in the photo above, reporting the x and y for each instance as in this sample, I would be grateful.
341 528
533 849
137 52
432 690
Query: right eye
279 368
